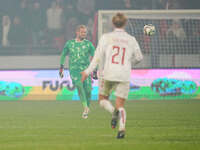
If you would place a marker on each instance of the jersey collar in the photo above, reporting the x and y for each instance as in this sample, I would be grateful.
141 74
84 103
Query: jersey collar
119 30
79 41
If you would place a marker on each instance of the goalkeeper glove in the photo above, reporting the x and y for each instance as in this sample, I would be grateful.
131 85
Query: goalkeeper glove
94 75
61 71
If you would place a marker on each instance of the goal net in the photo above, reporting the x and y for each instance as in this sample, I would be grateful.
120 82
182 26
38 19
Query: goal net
176 43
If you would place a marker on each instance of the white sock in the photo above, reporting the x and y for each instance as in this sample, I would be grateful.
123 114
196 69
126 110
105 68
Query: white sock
107 105
122 118
86 110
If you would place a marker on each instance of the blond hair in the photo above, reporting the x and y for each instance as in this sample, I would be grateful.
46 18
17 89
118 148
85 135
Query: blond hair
119 20
80 27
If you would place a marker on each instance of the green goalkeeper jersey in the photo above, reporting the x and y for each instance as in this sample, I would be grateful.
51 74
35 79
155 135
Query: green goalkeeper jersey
79 57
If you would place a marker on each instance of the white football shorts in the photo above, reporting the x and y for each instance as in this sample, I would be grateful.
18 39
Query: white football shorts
121 88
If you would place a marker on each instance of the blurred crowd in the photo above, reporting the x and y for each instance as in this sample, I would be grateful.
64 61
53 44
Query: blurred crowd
36 23
173 37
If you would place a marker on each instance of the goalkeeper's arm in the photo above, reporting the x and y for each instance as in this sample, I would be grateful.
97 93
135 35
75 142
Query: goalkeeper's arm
61 71
62 60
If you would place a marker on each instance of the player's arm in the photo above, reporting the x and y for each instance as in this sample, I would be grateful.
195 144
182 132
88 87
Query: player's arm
93 64
62 61
137 53
92 51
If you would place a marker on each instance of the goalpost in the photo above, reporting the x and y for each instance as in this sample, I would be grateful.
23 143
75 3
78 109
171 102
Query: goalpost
176 43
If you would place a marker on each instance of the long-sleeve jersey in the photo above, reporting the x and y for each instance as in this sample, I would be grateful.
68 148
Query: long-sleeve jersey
115 53
79 57
96 61
79 54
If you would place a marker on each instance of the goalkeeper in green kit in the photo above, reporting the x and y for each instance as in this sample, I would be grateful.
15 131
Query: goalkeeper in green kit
79 51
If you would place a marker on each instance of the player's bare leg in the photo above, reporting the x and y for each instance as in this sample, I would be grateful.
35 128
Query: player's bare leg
122 117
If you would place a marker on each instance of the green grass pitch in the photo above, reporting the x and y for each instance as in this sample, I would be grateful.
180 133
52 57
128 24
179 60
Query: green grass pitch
57 125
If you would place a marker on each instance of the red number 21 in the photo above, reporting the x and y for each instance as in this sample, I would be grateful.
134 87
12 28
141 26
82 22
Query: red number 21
118 49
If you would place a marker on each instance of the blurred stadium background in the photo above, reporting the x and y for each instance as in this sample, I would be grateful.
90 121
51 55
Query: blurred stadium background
33 34
163 104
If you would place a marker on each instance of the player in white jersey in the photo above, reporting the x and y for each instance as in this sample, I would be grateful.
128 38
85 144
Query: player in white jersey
115 53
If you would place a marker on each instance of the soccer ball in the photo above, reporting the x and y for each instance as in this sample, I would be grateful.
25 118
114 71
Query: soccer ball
149 29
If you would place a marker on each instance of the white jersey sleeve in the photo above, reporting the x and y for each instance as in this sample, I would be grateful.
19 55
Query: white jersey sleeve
97 60
137 53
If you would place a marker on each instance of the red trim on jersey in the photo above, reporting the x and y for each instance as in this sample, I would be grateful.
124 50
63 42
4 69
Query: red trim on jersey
122 116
